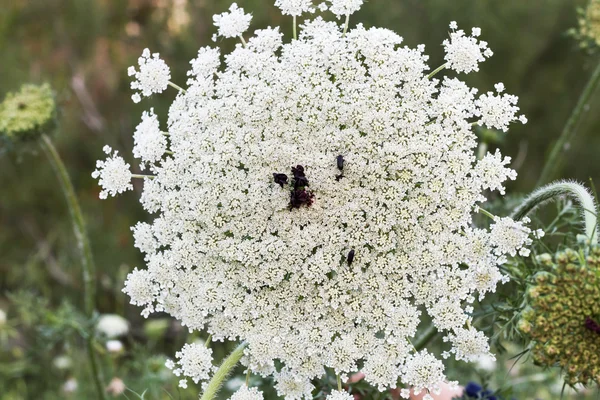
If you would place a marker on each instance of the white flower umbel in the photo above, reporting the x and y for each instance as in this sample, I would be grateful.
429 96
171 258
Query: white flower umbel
423 371
464 53
510 237
245 393
469 344
294 8
233 23
319 198
339 395
498 111
113 174
149 143
345 7
194 361
153 76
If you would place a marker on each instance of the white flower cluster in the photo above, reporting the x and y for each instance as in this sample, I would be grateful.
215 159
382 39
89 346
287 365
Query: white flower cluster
153 76
149 143
316 197
469 345
464 53
194 361
345 7
510 237
113 174
294 7
233 23
339 395
245 393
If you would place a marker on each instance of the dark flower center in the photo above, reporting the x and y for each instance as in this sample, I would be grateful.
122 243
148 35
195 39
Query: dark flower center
592 325
299 195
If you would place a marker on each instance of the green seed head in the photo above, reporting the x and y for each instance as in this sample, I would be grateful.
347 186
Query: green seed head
562 315
26 114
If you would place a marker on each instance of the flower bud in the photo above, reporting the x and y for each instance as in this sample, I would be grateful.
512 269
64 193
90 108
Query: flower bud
26 114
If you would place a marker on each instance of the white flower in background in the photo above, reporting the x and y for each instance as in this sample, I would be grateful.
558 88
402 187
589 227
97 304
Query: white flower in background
339 395
62 362
464 53
114 346
116 387
149 143
320 192
2 317
153 76
294 8
194 361
345 7
112 325
113 174
70 386
233 23
486 362
245 393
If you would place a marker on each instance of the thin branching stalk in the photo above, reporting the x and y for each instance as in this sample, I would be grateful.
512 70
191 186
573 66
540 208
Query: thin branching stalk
589 209
215 383
570 128
425 338
85 250
435 72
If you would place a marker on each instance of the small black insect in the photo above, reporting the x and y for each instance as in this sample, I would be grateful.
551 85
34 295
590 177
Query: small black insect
280 179
350 257
340 162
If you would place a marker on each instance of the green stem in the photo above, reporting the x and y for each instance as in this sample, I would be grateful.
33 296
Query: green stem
346 25
438 69
223 372
487 213
589 210
85 249
182 90
481 150
295 33
339 383
425 338
570 128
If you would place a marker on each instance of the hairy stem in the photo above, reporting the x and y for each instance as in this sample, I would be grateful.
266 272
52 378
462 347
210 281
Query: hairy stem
85 250
425 338
214 385
589 210
568 132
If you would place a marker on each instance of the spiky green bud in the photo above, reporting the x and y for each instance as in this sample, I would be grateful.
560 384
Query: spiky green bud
26 114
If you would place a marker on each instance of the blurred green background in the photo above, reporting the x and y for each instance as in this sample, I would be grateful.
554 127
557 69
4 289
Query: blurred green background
83 48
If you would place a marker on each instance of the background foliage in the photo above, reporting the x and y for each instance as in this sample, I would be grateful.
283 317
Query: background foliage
83 47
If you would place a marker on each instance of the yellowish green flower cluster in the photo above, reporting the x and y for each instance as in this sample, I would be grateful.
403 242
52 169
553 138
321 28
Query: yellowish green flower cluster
588 32
563 314
26 114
